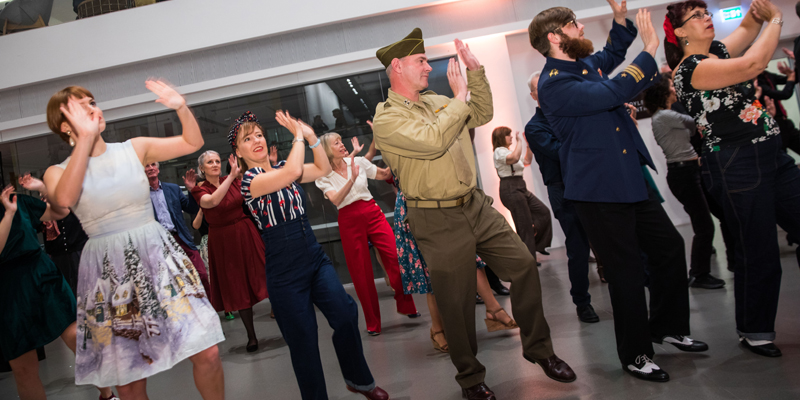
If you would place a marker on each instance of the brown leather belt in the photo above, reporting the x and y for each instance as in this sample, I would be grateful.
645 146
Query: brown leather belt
439 203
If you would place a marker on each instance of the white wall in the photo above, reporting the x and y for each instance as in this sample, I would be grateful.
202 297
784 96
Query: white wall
166 29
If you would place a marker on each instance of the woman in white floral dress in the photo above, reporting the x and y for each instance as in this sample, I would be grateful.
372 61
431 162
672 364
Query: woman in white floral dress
141 306
743 167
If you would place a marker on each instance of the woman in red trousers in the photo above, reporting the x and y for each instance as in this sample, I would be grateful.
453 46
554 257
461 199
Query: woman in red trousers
361 221
235 250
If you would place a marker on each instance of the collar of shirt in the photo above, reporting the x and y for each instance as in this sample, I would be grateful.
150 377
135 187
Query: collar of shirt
398 99
159 187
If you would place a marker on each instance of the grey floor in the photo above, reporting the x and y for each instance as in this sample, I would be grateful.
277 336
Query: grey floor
405 364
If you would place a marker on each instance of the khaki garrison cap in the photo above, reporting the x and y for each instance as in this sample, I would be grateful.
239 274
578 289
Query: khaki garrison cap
409 45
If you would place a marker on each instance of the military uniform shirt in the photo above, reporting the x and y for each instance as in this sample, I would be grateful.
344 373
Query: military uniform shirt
415 138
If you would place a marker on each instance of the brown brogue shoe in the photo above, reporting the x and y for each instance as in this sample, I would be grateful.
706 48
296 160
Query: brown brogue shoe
555 368
478 392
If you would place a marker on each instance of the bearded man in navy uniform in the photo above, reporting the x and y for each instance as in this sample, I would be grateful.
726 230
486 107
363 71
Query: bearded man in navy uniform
601 159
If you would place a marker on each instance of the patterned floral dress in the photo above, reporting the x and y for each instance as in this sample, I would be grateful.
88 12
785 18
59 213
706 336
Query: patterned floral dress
141 305
730 116
413 269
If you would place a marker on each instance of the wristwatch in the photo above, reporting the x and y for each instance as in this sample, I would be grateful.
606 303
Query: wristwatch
777 21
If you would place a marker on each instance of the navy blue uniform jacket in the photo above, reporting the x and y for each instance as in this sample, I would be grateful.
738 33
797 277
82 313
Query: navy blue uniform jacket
176 203
601 150
544 146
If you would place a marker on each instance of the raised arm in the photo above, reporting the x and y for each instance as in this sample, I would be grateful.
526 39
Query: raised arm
337 196
622 34
372 151
8 218
516 154
746 32
65 185
33 184
481 105
152 149
713 73
578 97
213 200
294 169
321 165
528 157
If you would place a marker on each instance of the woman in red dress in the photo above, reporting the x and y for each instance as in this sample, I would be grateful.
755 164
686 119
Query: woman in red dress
235 250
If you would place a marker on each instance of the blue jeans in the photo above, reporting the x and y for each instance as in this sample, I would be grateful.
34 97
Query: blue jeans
758 186
577 244
300 276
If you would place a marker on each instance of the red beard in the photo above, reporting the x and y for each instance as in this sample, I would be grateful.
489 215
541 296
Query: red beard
576 48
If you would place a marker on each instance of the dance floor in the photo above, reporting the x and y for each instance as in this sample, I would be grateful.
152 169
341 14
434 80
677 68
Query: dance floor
406 365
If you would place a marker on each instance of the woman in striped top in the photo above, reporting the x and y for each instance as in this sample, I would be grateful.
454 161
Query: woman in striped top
299 273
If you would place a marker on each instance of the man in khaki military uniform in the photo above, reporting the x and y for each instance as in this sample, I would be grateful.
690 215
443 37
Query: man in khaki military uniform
424 138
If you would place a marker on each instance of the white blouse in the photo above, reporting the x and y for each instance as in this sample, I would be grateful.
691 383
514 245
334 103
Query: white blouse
359 191
503 169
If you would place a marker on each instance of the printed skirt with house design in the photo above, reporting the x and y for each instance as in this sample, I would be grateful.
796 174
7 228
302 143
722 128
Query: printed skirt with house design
141 307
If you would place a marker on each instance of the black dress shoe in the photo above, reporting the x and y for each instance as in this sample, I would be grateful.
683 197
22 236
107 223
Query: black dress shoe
478 392
645 369
555 368
706 282
373 333
766 350
500 289
252 348
587 314
478 299
544 252
683 343
416 315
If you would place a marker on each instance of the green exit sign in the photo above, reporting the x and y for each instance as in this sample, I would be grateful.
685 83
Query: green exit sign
731 13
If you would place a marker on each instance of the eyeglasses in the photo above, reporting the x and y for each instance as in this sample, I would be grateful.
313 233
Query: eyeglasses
699 15
574 23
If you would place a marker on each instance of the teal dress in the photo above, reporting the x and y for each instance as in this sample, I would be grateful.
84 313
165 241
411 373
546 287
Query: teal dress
36 303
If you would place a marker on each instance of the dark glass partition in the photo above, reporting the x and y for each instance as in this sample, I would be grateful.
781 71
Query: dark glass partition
340 104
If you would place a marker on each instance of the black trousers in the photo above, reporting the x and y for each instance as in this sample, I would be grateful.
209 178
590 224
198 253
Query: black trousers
619 233
531 217
684 182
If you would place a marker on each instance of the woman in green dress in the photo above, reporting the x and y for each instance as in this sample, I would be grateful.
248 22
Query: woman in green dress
36 304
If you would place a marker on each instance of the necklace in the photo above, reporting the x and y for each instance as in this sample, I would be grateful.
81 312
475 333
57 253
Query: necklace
343 171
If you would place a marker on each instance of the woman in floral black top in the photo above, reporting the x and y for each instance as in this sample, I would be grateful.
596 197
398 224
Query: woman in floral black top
743 169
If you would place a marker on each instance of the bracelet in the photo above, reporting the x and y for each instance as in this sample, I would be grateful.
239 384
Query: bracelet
315 144
776 21
298 140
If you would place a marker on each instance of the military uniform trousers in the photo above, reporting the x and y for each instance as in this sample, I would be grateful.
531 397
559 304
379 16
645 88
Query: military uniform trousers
448 239
619 233
531 217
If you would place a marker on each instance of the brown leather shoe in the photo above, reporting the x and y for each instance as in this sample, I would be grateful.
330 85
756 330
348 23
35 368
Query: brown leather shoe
478 392
555 368
375 394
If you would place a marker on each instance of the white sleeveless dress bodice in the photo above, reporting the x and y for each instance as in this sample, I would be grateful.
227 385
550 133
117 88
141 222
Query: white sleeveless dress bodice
116 195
